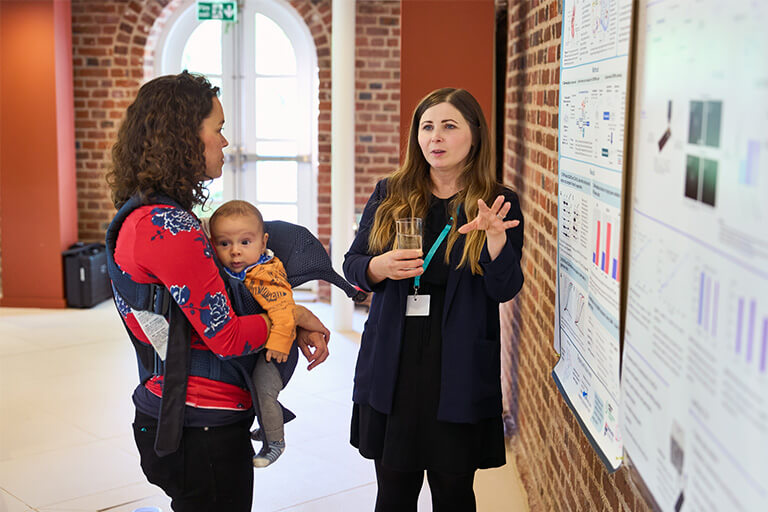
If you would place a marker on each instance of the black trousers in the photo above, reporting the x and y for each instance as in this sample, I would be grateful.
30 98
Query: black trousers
398 491
212 471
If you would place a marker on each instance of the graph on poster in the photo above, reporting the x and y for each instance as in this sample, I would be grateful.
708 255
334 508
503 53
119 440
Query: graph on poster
695 359
606 253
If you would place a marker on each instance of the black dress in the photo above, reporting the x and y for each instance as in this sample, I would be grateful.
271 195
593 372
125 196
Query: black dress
411 438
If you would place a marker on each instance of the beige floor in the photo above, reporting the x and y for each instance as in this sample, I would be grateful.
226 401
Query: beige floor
66 378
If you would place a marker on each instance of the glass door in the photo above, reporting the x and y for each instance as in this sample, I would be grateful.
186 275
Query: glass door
277 108
266 68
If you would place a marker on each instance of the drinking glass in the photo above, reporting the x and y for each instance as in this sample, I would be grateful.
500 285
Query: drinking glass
409 233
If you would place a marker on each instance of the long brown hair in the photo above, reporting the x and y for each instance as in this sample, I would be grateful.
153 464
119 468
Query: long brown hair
158 149
409 188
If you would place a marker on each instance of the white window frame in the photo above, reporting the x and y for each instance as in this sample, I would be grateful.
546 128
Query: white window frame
169 49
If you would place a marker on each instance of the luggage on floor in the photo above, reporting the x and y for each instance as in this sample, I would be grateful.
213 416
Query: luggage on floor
85 275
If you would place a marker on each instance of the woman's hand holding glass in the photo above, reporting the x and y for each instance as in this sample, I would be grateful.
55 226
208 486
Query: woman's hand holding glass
395 264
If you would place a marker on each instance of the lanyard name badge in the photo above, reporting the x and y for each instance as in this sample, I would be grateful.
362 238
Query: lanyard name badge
418 305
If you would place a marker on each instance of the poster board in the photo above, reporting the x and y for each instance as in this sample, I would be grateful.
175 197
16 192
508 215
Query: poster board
694 405
592 122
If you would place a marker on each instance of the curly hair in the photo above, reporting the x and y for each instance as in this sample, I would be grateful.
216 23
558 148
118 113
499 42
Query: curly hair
409 188
158 149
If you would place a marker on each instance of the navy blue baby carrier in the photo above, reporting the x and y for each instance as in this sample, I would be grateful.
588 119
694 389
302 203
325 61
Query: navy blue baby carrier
304 259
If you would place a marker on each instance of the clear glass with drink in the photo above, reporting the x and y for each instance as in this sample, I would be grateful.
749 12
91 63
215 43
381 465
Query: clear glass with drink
408 233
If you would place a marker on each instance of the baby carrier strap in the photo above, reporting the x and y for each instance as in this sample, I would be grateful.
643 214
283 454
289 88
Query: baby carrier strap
157 299
172 404
138 296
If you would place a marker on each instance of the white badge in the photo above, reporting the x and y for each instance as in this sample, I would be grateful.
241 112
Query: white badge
417 305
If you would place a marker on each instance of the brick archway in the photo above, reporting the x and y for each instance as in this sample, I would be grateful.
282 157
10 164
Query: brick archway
113 54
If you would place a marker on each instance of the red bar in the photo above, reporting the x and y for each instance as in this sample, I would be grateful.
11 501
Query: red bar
608 249
597 246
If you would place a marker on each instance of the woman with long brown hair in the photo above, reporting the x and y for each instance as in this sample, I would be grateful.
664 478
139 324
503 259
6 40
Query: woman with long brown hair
193 415
427 392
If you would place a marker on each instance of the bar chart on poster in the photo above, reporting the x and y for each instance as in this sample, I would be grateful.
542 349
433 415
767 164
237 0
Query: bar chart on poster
695 362
593 97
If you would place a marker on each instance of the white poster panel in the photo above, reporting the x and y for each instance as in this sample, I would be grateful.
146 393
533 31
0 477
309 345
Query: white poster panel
695 360
593 97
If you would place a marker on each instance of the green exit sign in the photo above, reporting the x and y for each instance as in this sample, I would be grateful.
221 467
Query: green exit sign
224 11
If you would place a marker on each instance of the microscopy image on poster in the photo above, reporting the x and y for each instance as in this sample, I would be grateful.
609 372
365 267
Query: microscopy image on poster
593 97
701 179
704 123
695 362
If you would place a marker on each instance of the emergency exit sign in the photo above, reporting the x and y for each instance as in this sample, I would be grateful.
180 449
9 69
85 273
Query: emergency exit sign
223 11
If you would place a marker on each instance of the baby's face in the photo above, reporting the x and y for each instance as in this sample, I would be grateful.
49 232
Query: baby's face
239 241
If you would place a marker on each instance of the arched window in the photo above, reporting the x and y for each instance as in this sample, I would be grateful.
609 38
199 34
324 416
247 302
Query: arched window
266 67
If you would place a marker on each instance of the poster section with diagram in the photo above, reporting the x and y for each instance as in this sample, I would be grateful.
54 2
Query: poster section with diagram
695 360
593 96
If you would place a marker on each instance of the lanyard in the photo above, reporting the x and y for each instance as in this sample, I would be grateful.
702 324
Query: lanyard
440 238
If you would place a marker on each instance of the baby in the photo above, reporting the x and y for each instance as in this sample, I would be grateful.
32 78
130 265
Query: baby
237 233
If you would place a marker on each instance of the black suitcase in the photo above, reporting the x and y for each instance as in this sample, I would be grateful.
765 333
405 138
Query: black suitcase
85 275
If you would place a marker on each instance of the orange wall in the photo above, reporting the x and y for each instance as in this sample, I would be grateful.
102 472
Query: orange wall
445 43
38 208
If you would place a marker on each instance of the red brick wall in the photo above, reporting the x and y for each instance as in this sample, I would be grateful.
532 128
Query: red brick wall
113 43
377 106
559 468
106 77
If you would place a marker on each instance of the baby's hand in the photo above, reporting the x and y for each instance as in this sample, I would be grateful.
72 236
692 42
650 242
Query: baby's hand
278 357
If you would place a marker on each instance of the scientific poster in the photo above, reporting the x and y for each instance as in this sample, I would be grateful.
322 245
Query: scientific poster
695 361
593 98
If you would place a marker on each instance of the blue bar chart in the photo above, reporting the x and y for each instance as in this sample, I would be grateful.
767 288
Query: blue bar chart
751 343
709 297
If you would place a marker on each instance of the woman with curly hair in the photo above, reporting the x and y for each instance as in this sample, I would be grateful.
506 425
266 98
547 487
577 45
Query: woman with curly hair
427 391
169 144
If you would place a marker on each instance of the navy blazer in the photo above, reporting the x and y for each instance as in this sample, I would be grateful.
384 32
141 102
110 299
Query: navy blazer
470 389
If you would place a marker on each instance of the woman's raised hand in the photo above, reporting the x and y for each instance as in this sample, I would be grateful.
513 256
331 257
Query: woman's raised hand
395 264
491 220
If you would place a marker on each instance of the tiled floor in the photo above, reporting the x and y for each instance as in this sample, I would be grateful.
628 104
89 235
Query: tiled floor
66 378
